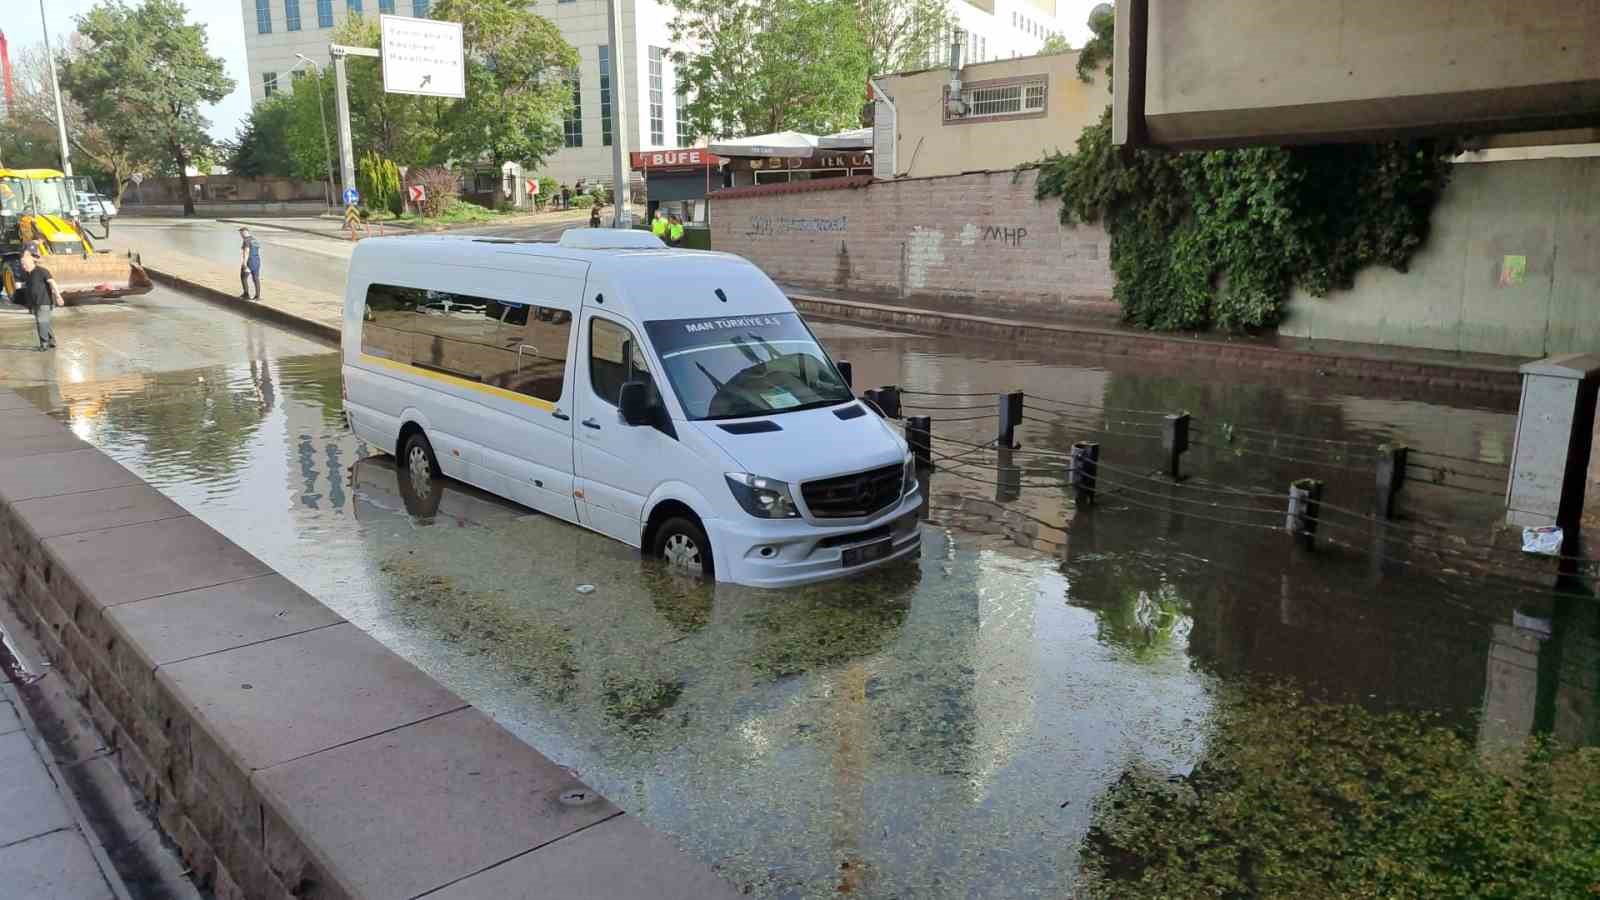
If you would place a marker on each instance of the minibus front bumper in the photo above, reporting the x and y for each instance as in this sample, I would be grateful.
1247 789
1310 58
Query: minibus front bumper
769 554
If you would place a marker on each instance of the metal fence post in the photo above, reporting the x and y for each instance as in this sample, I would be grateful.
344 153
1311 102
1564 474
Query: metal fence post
1175 440
919 434
1305 506
1085 466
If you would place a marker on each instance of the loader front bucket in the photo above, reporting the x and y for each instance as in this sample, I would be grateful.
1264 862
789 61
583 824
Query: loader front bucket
97 276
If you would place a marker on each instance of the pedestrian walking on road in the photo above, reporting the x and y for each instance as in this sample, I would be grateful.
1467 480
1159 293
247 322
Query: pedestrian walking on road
39 293
594 215
249 264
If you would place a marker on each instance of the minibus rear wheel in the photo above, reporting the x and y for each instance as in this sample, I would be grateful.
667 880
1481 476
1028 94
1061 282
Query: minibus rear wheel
684 545
416 454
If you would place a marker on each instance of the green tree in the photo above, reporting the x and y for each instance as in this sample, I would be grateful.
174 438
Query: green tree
260 147
903 35
517 89
29 137
143 75
379 182
1096 55
1055 44
771 65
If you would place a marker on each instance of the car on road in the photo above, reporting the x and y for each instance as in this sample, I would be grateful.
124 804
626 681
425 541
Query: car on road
94 206
672 400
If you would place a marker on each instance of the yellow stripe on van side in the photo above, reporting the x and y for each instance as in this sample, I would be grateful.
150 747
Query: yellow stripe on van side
490 389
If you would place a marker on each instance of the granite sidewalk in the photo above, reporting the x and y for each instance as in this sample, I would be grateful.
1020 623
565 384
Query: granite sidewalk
46 849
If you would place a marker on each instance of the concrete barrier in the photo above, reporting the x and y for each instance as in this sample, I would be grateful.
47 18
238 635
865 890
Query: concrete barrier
285 751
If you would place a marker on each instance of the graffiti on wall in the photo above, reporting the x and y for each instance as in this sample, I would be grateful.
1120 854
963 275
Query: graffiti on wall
1004 235
767 226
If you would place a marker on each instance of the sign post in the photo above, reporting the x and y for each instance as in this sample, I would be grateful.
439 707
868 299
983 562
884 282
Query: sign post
418 56
620 114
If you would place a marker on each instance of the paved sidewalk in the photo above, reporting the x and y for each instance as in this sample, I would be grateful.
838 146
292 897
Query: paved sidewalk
45 852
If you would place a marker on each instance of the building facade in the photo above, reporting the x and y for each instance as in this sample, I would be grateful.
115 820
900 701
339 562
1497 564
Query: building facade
1011 113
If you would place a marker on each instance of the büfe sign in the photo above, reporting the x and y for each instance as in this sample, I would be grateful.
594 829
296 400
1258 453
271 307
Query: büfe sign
694 157
422 56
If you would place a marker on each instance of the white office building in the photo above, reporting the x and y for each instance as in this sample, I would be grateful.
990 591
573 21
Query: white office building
276 31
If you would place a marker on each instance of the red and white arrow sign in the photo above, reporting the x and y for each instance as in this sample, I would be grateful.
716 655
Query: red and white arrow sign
533 185
417 193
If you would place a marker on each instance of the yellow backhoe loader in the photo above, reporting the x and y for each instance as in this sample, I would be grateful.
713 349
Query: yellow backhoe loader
39 206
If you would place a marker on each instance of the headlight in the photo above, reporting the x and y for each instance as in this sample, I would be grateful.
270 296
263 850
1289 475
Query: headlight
908 481
764 498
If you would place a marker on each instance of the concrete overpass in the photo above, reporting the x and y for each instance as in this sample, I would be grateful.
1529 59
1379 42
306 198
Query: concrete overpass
1229 73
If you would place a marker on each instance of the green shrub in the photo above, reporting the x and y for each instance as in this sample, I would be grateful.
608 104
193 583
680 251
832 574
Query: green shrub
583 201
1221 238
1295 798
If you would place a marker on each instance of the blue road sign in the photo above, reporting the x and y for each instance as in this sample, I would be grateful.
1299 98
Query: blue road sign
351 197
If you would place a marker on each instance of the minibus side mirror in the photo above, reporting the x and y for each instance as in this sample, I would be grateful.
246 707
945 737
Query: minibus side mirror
636 403
846 371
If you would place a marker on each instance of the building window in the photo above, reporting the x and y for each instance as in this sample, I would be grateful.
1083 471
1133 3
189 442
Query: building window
269 83
263 17
324 13
353 6
295 75
419 8
605 95
386 7
291 15
657 101
1017 98
572 125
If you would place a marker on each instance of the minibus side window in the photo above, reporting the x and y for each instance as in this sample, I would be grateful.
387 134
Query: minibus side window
503 343
608 369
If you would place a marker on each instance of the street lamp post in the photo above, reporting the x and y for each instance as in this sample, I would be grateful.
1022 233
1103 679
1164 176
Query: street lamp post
619 117
322 110
55 86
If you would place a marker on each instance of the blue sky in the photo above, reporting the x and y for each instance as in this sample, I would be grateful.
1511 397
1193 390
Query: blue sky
224 38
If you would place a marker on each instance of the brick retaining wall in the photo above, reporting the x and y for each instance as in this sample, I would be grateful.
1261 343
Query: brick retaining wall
978 242
286 752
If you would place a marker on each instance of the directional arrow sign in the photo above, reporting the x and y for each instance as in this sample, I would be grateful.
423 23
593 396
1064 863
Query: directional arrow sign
417 193
533 185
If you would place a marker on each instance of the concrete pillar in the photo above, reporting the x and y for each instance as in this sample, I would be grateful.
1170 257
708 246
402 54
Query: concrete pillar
1555 422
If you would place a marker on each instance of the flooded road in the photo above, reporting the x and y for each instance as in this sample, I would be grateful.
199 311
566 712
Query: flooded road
938 729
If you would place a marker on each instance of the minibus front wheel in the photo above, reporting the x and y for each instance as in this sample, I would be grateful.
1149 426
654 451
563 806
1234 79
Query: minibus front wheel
684 545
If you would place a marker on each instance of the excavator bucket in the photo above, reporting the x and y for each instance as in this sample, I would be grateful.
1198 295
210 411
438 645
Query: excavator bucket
97 276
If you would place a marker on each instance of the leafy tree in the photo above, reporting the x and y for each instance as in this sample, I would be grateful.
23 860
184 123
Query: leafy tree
1096 54
770 65
1055 44
517 89
29 137
142 76
379 182
260 147
903 35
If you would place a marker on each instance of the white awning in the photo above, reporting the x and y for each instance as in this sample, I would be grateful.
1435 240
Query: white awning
854 139
777 144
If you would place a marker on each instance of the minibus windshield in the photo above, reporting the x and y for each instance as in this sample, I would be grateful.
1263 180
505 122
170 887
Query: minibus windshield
741 366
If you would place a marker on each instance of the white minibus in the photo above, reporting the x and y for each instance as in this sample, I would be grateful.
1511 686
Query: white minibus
673 400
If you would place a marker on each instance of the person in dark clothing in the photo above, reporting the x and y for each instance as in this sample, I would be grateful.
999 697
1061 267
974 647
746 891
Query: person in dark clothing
249 264
594 215
566 197
39 293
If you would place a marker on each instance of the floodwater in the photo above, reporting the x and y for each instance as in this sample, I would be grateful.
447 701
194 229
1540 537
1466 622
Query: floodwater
937 729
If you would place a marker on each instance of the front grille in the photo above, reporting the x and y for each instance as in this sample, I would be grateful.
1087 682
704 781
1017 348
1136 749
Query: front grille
853 496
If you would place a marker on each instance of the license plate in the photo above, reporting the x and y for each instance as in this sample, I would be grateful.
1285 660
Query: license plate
866 553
